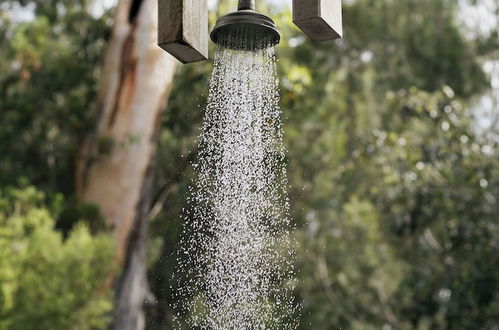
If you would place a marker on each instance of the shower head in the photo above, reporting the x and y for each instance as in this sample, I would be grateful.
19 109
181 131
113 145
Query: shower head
245 29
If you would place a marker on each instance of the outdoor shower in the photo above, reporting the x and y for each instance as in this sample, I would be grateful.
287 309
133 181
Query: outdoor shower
183 26
236 258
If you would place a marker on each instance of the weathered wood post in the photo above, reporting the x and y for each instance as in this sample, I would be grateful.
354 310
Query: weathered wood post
183 29
318 19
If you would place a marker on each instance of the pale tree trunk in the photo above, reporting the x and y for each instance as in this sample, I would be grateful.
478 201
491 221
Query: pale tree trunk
113 170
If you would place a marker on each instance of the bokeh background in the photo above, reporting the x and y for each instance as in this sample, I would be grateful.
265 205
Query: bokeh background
393 166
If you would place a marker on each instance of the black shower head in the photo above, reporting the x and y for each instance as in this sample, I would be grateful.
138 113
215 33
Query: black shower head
245 29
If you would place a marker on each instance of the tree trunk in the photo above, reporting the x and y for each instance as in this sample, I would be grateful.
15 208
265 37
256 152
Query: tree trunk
113 168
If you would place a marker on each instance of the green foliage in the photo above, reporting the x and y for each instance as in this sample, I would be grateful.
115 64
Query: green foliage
46 281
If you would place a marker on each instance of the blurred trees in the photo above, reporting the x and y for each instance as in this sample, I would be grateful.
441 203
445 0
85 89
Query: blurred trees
48 72
393 190
396 192
65 134
113 167
55 253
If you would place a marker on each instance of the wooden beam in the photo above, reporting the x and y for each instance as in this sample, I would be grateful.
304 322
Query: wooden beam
318 19
183 29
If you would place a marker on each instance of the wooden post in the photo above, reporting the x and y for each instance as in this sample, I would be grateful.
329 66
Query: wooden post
183 29
319 19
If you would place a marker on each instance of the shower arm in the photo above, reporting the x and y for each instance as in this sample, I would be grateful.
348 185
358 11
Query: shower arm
246 4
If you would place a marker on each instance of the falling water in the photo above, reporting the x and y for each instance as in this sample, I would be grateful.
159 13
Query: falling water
236 248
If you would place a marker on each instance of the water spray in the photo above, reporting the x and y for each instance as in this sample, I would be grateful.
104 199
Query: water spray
183 26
